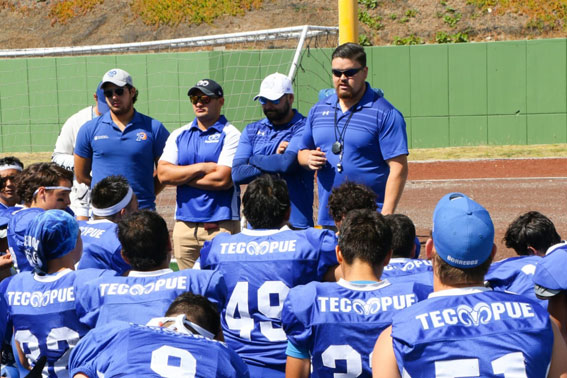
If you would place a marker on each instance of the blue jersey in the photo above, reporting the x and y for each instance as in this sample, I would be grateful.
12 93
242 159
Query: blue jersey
131 153
142 296
42 310
376 132
17 228
404 269
101 247
515 275
260 267
191 145
128 350
338 323
473 332
256 154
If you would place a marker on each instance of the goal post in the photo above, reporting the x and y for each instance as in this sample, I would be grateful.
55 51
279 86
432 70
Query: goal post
41 88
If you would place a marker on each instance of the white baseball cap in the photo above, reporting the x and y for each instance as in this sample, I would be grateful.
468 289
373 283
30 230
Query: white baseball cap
274 86
118 77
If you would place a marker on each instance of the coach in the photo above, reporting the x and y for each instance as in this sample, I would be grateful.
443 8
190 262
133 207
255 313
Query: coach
198 159
121 141
270 146
355 134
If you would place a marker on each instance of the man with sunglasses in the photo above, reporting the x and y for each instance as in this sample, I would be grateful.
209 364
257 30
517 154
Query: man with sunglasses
121 141
270 146
197 158
355 134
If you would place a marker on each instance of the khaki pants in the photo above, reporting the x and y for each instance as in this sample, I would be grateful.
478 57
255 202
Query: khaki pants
188 239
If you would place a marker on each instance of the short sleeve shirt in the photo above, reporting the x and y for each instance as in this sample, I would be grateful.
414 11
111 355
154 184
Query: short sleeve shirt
375 132
131 153
190 145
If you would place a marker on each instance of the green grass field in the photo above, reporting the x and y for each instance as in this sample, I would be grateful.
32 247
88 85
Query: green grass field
417 154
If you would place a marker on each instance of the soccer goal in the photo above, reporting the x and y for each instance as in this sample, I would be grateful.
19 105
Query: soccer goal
41 88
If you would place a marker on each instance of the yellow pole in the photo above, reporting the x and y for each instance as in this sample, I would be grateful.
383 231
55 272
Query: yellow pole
348 21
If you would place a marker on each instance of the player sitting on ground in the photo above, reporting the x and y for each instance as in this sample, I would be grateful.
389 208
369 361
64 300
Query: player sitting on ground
350 196
530 235
551 285
184 346
465 329
151 285
112 199
403 263
41 305
41 186
334 325
260 266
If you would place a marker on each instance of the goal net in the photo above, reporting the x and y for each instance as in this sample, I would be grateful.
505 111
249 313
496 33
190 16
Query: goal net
41 88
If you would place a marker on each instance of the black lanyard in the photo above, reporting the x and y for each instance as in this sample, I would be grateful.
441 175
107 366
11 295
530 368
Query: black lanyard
338 146
340 135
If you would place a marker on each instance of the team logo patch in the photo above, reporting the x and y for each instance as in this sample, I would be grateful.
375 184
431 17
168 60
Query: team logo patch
203 83
214 138
261 133
141 136
112 73
326 113
480 314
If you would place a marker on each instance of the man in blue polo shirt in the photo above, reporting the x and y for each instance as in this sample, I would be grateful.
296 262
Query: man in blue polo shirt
121 141
198 159
355 134
270 145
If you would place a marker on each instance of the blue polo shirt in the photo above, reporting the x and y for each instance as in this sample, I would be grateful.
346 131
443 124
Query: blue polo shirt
190 145
376 133
256 154
131 153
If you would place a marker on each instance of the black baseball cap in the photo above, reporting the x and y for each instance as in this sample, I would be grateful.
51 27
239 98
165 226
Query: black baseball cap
208 87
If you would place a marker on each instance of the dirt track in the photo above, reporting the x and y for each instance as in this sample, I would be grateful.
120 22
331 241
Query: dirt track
506 187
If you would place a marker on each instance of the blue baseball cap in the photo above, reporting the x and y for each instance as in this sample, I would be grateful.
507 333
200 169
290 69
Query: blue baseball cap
463 233
549 277
52 234
101 100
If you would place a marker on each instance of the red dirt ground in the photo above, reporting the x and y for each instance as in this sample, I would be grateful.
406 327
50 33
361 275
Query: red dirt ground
506 187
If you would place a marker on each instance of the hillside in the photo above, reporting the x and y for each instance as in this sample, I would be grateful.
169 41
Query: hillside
34 23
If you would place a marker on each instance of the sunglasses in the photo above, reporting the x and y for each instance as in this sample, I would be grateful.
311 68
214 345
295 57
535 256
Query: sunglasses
348 73
264 100
110 92
204 99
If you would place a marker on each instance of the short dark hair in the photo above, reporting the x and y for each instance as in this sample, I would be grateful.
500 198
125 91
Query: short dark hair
135 98
11 160
198 309
145 239
40 174
403 234
265 202
531 229
352 51
451 275
365 234
350 196
109 191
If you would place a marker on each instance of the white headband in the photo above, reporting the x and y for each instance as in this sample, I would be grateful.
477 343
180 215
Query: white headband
181 324
13 166
116 207
51 188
